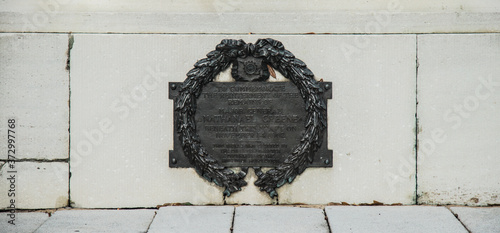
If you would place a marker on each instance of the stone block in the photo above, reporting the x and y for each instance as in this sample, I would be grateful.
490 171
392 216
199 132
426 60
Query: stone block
122 128
459 142
482 219
34 92
98 221
25 222
193 219
34 185
279 219
392 219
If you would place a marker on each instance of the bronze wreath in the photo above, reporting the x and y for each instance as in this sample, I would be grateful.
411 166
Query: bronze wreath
275 55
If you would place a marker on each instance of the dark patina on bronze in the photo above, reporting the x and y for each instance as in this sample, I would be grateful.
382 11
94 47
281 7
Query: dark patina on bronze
250 123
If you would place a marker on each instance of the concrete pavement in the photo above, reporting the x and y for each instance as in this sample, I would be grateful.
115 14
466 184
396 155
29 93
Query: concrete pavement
240 219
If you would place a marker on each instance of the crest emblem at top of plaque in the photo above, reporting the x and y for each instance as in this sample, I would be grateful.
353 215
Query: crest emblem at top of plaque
250 122
249 69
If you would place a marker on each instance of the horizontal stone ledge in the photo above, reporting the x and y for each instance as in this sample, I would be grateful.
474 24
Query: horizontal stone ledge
377 22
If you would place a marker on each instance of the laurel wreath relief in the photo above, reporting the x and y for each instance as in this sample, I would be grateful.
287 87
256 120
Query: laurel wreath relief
274 54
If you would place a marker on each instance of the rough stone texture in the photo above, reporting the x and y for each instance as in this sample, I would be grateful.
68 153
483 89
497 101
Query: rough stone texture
121 119
479 219
392 219
279 219
193 219
26 222
459 143
38 185
34 91
98 221
371 119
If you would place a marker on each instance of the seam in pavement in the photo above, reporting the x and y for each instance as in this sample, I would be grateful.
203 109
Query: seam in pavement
232 222
154 216
456 216
327 220
42 223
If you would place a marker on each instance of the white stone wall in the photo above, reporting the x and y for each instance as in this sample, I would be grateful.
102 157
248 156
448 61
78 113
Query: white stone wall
258 16
459 113
34 91
95 132
255 6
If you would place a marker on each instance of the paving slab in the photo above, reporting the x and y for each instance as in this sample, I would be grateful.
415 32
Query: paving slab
98 221
392 219
482 219
186 219
279 219
25 222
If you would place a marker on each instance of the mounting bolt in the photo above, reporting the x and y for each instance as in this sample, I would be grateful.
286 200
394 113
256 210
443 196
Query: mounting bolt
174 161
327 161
173 86
327 86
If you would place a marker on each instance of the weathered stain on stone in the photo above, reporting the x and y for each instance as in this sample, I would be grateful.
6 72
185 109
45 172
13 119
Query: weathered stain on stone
61 201
71 40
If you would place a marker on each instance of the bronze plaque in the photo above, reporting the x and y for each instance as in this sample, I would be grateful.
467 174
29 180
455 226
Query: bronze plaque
250 122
